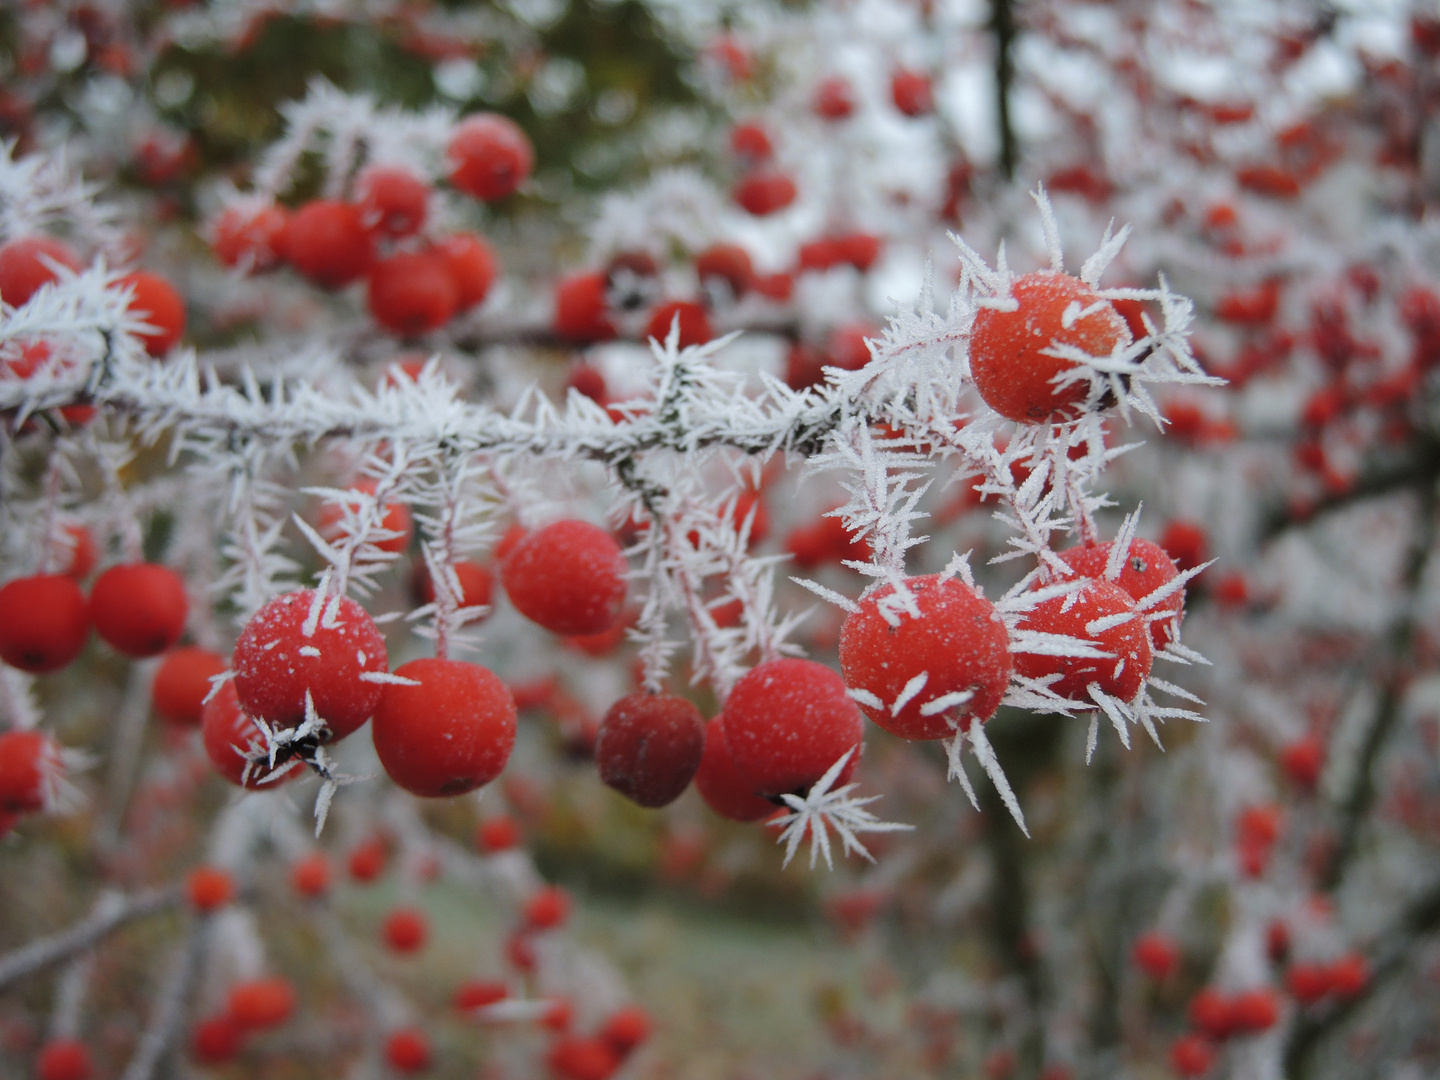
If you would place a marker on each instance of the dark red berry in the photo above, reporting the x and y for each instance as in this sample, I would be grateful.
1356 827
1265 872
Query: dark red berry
649 747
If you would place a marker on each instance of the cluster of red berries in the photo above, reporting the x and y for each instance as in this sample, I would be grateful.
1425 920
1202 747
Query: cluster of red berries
601 1055
252 1006
32 262
415 283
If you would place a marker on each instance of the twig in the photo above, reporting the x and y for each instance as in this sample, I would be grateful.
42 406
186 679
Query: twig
156 1042
112 910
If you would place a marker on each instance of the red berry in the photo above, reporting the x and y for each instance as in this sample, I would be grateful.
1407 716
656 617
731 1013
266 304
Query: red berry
183 683
473 267
64 1059
478 993
727 263
392 200
547 908
846 347
139 608
215 1040
695 326
23 266
1192 1055
520 951
787 721
300 642
477 584
209 887
720 783
396 520
1146 568
764 193
44 622
1253 1011
451 734
569 577
497 834
1008 348
581 310
155 302
311 876
30 767
328 243
489 156
860 250
405 930
229 734
1186 544
1156 955
1210 1012
412 292
626 1029
1121 673
820 255
911 92
80 559
834 99
261 1003
577 1058
408 1050
958 643
253 239
649 746
751 142
1349 975
1303 761
367 862
1308 983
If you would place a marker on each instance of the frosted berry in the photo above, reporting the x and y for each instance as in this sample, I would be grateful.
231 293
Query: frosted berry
23 266
695 326
155 302
301 642
787 721
80 555
1186 543
406 930
251 238
412 292
183 683
547 908
261 1003
215 1040
139 608
1146 568
477 584
478 993
30 767
649 747
725 267
581 309
1121 673
473 267
392 200
209 888
911 92
451 734
396 519
569 577
764 193
1007 348
44 622
229 734
489 156
64 1059
327 243
958 644
408 1051
310 876
720 783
